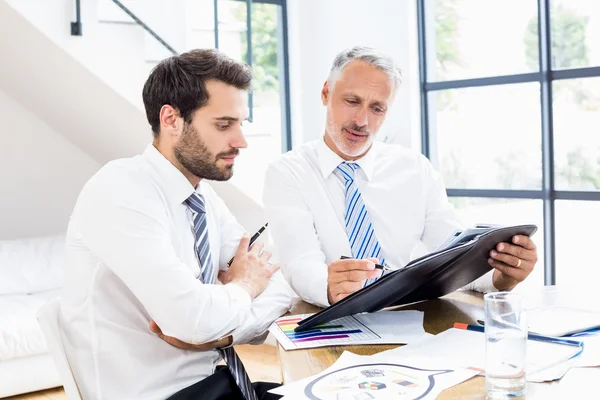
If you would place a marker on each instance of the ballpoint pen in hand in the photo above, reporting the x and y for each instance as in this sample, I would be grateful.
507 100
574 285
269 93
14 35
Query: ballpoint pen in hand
252 240
377 266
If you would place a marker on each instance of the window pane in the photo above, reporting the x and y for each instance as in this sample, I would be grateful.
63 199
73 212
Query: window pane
576 249
265 132
232 28
487 137
575 29
577 134
471 38
474 211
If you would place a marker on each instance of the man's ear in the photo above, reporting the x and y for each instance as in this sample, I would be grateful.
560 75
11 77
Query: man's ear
170 123
325 93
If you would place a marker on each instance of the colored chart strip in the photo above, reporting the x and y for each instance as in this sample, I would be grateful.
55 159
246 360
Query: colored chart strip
320 338
291 332
322 334
290 328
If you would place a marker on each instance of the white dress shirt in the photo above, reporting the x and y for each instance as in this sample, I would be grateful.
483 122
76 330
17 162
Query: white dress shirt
305 204
131 258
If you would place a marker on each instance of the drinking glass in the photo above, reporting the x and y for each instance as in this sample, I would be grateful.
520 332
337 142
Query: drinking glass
505 345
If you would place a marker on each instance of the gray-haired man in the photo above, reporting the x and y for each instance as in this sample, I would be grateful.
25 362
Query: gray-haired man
347 195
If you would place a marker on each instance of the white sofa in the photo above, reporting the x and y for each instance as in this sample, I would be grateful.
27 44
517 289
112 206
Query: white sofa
31 273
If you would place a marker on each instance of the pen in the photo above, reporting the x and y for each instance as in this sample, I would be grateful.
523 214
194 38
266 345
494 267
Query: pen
377 266
252 240
530 336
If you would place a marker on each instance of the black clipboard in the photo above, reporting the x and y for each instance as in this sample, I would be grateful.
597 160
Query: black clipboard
429 277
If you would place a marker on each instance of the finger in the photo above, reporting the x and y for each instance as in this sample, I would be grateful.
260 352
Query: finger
178 343
341 296
243 246
272 268
512 262
517 251
350 264
155 329
347 287
375 260
524 241
257 247
355 275
507 259
512 272
265 255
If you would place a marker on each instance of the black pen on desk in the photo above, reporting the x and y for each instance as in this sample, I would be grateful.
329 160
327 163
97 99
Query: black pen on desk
252 240
377 266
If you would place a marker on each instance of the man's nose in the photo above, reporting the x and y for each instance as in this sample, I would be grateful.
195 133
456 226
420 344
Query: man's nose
239 140
361 118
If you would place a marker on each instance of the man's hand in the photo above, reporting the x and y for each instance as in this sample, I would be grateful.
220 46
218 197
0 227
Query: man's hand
250 269
513 262
346 276
226 341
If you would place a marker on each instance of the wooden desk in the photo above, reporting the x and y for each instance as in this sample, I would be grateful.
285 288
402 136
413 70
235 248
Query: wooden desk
440 314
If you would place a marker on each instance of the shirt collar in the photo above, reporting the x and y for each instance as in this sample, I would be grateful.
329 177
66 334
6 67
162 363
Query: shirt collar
176 186
329 160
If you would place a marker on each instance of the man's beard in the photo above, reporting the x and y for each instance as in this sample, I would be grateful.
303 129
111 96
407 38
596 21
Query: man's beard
191 152
352 149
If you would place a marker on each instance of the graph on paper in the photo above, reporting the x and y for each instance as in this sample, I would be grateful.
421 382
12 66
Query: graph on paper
342 331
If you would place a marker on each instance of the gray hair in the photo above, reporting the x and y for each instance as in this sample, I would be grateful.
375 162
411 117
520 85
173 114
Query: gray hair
367 55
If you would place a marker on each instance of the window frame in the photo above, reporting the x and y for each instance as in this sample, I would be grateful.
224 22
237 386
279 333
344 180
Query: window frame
283 61
545 76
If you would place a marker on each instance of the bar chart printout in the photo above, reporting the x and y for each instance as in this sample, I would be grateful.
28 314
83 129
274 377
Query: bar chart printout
341 331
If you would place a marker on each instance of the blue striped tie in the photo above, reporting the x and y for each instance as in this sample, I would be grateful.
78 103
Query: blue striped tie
361 234
207 275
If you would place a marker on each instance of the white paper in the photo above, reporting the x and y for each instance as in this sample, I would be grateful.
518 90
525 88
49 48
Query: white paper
591 349
560 320
463 348
383 327
376 377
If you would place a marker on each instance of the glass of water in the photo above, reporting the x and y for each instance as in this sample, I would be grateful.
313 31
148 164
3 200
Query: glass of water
505 344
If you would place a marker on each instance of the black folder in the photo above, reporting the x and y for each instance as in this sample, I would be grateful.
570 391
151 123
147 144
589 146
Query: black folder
429 277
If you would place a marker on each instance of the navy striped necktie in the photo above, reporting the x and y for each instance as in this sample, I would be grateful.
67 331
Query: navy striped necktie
208 276
359 228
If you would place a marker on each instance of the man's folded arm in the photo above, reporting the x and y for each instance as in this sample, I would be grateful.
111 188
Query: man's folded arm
126 228
271 304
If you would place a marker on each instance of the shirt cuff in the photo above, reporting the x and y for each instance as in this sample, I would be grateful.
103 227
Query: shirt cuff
240 294
248 336
485 283
320 291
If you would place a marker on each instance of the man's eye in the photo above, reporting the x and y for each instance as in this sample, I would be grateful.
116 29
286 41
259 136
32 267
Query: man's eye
352 101
222 127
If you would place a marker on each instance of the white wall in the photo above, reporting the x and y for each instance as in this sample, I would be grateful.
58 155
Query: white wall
84 114
320 29
103 49
41 174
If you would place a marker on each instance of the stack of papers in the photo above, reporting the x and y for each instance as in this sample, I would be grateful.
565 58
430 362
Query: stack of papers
561 320
379 376
383 327
591 349
463 348
465 236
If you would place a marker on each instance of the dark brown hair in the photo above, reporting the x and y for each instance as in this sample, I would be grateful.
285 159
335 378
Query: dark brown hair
180 81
